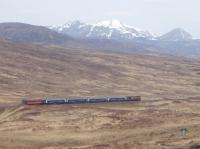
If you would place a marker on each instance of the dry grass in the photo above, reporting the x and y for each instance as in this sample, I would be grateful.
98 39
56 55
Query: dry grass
169 87
36 71
154 124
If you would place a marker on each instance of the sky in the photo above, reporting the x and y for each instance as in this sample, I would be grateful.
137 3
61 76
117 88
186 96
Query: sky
156 16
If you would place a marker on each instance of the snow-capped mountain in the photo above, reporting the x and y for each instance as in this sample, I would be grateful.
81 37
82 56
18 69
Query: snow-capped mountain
177 34
109 29
95 36
126 38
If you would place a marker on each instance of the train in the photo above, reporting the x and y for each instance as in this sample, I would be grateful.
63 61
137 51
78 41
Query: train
81 100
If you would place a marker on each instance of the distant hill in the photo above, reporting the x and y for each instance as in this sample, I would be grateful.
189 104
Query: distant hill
26 33
32 34
177 34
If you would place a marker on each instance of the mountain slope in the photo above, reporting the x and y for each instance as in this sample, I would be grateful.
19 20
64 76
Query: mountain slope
26 33
30 71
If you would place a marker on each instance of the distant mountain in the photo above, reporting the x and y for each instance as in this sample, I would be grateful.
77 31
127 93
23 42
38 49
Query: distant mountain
26 33
115 30
177 34
32 34
107 35
109 29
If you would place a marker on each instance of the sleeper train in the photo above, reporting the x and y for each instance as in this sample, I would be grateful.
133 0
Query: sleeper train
81 100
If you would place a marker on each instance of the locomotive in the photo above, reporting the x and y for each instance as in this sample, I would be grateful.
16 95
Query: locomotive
81 100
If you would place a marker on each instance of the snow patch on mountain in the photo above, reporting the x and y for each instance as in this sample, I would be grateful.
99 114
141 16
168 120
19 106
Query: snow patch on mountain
111 24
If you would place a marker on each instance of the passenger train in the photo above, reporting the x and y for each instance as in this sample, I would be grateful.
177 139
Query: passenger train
81 100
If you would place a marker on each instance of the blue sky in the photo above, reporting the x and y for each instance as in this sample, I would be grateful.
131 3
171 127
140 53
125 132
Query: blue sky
157 16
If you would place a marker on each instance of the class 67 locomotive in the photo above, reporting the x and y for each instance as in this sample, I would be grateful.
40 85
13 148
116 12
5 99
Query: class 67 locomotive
81 100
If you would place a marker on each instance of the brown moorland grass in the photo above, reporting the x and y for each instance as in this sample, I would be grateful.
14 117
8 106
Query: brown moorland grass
169 87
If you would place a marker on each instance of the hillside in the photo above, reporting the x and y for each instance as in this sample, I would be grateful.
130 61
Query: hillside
169 87
41 71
